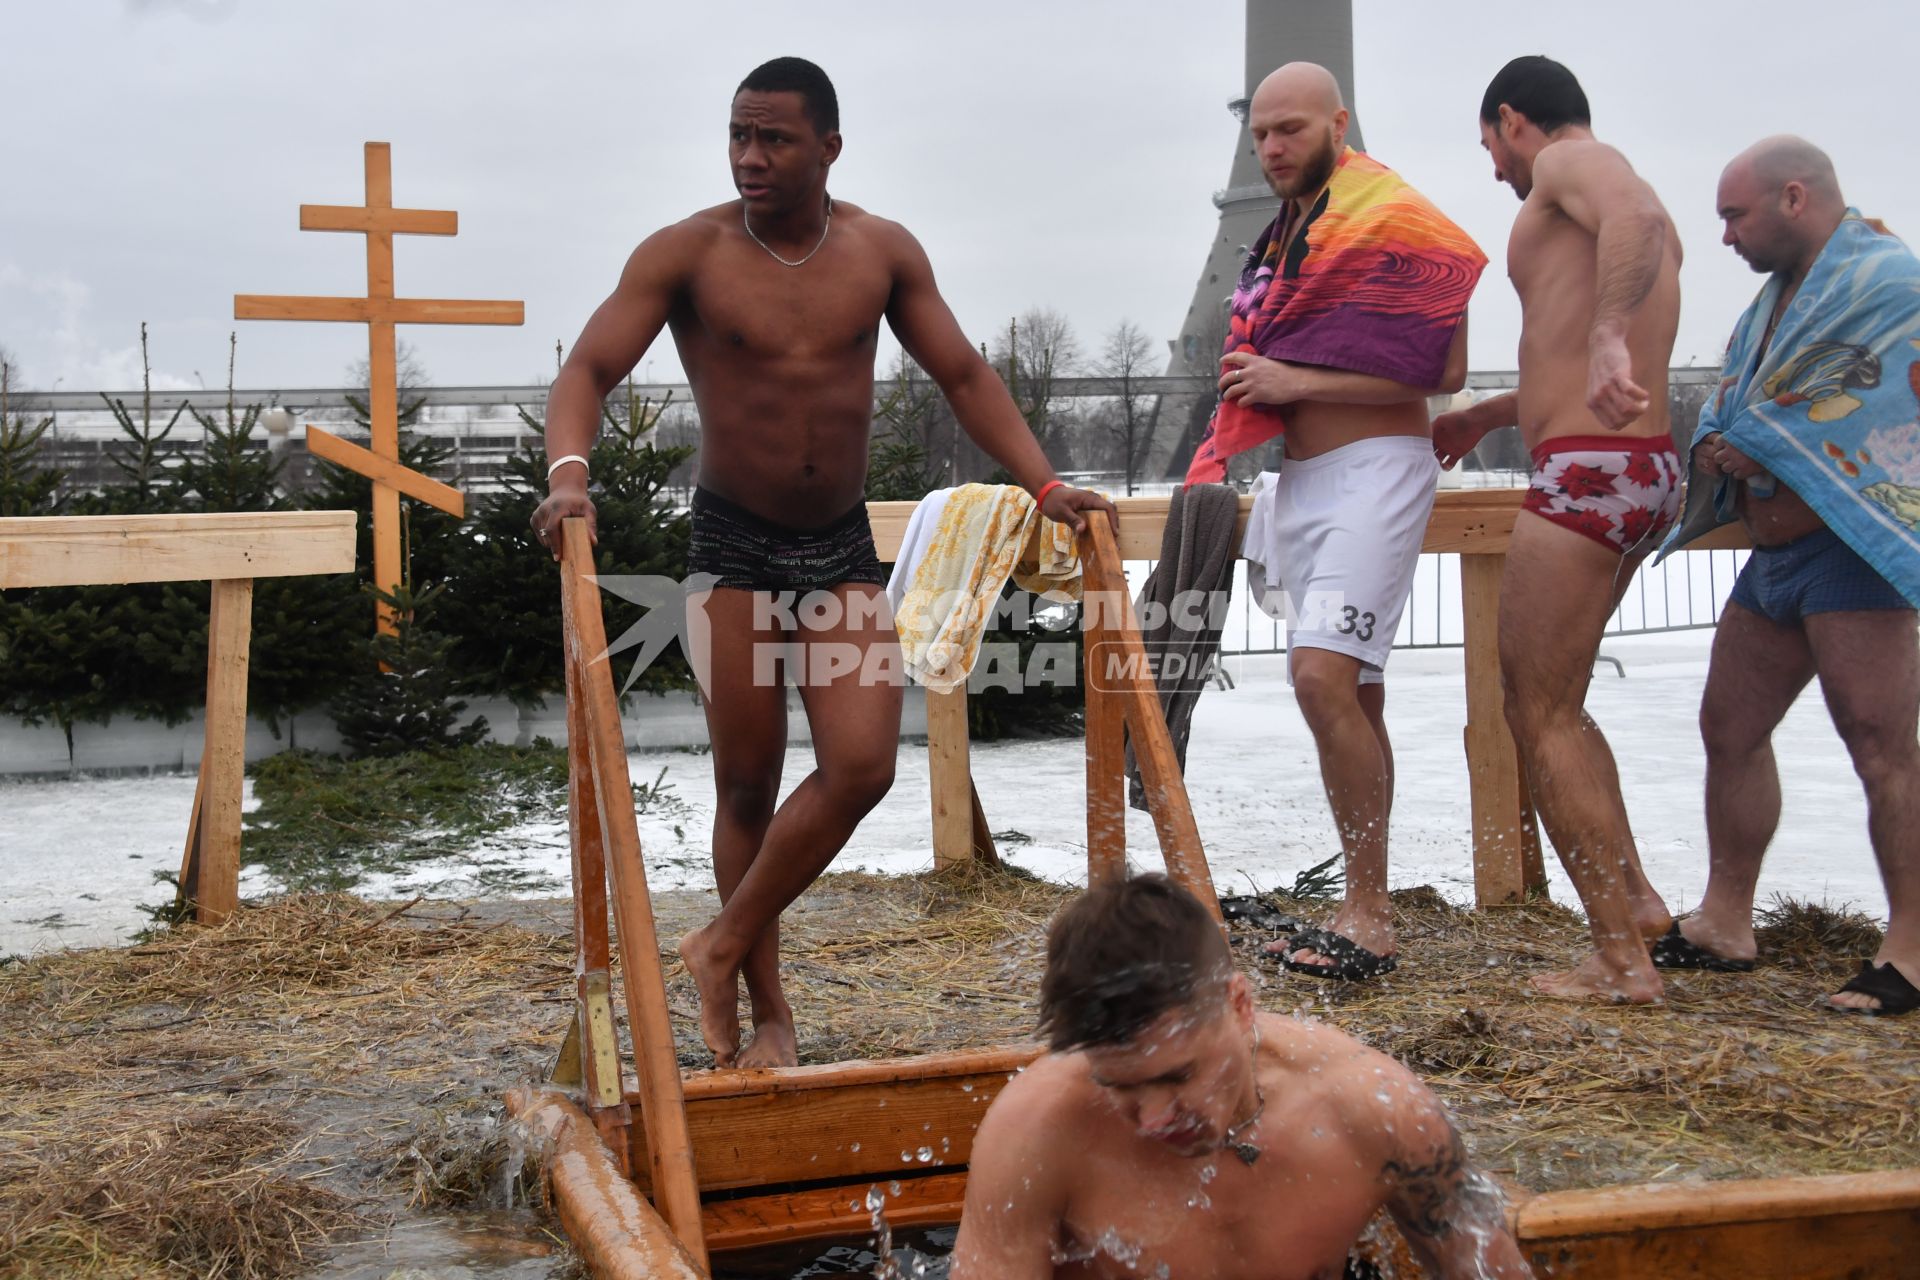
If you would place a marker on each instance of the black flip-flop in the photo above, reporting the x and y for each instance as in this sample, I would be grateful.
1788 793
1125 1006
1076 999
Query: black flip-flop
1256 912
1351 961
1884 983
1676 951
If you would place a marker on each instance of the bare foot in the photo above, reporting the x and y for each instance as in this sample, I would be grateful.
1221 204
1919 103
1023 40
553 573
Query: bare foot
1652 921
1374 932
1649 910
1854 1000
719 998
1597 979
772 1045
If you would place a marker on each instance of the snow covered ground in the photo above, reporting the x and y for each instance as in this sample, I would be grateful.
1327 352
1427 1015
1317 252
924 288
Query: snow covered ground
77 855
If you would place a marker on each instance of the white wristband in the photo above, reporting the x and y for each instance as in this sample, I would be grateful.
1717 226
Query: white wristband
558 463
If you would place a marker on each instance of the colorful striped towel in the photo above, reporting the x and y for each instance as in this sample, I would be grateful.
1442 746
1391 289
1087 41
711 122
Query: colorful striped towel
1375 282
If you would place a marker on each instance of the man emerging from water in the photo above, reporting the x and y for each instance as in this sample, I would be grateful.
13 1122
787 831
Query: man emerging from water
775 302
1174 1131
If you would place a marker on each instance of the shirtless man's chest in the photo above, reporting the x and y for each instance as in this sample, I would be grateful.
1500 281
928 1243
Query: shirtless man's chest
1785 515
781 361
1214 1218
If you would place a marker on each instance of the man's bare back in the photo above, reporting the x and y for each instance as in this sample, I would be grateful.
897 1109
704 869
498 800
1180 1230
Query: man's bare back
1553 261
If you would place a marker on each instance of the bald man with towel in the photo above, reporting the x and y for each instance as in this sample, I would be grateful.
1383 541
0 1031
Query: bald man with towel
1812 443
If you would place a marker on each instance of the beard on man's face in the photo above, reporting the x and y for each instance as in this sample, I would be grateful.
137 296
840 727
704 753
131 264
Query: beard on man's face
1313 173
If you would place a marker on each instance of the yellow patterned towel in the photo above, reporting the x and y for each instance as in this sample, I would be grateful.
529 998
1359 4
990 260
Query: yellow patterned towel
987 534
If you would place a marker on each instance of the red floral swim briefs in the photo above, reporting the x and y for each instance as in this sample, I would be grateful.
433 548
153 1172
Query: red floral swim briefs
1623 491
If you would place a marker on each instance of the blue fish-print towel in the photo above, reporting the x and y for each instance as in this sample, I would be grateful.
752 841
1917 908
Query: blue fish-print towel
1832 408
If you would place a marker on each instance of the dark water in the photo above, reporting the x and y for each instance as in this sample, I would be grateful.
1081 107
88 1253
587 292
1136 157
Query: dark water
914 1254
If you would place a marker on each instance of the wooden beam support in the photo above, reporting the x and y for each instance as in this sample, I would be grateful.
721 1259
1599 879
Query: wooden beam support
949 778
224 757
618 1235
599 1044
1463 520
322 443
1468 521
189 883
1501 811
63 551
1106 758
846 1120
983 846
836 1212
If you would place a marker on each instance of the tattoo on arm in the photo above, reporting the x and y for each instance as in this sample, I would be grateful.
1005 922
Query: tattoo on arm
1429 1195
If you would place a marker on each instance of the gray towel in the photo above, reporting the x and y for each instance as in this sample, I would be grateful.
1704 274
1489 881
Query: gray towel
1197 552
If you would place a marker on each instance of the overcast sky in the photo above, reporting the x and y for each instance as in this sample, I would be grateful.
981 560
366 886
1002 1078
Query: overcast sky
155 152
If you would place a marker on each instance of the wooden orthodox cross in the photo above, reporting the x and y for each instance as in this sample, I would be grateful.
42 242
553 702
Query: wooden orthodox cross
380 311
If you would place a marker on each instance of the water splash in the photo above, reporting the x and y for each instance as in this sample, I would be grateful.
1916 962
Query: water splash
903 1263
520 1145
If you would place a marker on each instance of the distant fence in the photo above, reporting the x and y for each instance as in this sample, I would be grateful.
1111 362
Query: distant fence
1685 592
481 427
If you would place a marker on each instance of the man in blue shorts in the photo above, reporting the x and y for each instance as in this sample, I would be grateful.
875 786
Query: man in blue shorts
1812 442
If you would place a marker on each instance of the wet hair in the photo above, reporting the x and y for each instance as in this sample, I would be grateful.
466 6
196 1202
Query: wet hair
1541 90
797 75
1122 955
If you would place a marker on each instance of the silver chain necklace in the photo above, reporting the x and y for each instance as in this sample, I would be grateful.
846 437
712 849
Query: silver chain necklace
785 262
1248 1152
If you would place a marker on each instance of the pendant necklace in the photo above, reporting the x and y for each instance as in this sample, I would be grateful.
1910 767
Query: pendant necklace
785 262
1248 1152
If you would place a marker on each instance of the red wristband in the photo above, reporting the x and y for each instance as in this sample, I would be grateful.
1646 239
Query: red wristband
1046 489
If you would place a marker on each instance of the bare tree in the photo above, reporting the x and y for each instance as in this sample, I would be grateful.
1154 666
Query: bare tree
1127 419
911 412
409 370
1038 348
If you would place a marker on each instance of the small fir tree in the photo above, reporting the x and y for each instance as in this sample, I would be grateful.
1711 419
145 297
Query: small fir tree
28 485
503 600
149 485
404 696
229 473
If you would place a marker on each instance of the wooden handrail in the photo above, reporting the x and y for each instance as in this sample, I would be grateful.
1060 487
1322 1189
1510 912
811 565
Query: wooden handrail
676 1189
1118 689
1467 521
68 551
